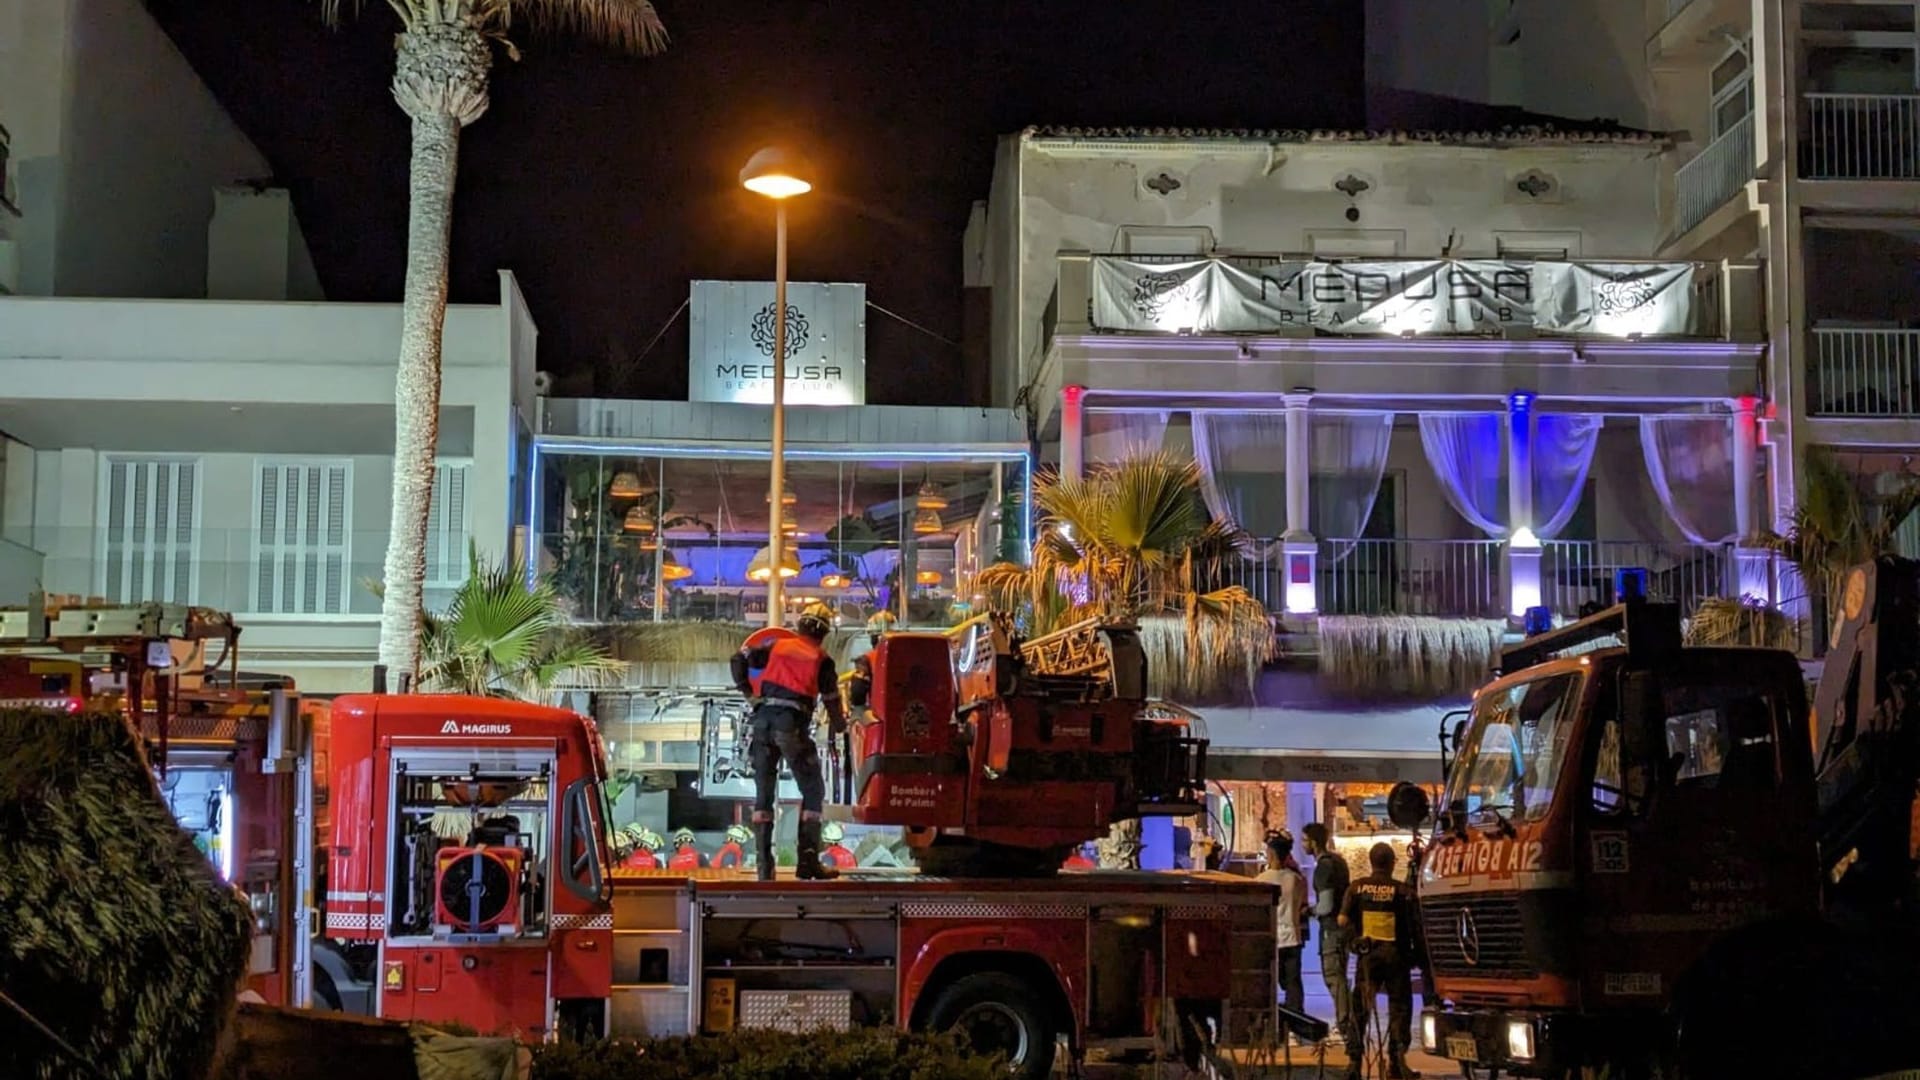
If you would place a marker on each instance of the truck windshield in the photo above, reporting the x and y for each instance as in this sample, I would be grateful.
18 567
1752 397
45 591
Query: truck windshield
1513 751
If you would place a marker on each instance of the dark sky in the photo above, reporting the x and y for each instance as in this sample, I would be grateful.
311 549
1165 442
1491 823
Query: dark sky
606 183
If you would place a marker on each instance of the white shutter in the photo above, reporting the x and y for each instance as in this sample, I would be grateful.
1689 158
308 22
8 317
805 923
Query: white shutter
301 537
447 526
150 510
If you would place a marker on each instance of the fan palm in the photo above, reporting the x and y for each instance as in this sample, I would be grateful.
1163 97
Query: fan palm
442 59
501 637
1837 524
1133 540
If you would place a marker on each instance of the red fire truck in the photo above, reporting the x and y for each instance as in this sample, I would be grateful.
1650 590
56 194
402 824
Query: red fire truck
241 761
469 851
1657 855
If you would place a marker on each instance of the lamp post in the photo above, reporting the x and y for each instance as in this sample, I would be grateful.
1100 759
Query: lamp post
780 175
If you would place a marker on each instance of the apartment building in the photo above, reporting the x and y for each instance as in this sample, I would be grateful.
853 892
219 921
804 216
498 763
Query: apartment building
238 455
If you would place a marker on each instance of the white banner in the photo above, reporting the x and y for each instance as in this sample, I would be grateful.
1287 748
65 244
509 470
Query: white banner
1418 297
730 347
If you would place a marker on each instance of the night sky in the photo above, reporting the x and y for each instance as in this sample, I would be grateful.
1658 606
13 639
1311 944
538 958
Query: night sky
606 183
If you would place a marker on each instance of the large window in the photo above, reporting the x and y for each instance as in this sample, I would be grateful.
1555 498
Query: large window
471 846
1516 744
1732 85
683 536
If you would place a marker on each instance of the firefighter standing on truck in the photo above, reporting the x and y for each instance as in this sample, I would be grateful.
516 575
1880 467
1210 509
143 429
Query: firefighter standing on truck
1381 920
794 673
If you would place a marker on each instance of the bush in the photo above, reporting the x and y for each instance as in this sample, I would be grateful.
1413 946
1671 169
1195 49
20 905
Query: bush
860 1054
114 930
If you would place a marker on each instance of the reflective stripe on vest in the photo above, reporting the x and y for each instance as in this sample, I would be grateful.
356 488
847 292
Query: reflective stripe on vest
793 665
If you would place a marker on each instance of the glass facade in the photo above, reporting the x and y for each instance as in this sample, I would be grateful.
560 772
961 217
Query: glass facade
634 533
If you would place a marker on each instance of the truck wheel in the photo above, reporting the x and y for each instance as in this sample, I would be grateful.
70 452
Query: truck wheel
997 1013
325 994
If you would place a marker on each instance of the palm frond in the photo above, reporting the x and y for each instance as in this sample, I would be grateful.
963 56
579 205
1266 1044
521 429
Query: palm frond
631 26
1730 620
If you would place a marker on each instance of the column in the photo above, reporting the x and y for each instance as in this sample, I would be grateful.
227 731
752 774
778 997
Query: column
1072 433
1751 568
1523 547
1299 551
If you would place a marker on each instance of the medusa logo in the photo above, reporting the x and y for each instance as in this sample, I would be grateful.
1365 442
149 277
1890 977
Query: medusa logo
1620 297
1155 294
796 331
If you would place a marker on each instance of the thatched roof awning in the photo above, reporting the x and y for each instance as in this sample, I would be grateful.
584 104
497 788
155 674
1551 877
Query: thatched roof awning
1324 745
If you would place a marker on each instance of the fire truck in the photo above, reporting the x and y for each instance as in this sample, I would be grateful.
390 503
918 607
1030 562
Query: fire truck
1655 856
470 853
240 760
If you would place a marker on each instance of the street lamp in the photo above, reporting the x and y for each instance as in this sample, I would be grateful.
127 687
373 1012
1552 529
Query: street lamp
780 175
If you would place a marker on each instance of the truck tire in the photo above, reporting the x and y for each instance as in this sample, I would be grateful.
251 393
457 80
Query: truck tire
998 1013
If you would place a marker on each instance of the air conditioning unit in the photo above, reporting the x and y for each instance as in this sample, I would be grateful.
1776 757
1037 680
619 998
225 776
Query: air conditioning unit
477 890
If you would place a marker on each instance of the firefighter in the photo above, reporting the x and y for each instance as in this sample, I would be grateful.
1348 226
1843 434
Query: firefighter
732 854
1381 920
646 848
685 855
794 673
836 854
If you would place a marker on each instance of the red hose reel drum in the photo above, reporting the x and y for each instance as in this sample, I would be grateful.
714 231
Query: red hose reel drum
477 890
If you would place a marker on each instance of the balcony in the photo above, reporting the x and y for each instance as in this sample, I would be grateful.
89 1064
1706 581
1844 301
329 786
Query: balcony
1864 373
1463 579
1861 137
1715 175
273 578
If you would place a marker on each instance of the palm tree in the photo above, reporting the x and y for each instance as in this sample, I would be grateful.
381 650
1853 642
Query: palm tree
1133 540
442 58
501 637
1837 524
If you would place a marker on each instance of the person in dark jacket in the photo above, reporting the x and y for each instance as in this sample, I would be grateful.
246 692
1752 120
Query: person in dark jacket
783 681
1330 880
1381 915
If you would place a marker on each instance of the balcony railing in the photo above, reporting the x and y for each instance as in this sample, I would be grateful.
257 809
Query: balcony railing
1862 137
1865 373
1446 578
1577 574
234 570
1704 184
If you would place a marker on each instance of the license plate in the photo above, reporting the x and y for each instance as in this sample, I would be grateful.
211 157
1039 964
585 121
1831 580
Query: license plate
1461 1048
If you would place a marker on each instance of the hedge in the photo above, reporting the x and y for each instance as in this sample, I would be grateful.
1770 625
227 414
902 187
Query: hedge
860 1054
114 931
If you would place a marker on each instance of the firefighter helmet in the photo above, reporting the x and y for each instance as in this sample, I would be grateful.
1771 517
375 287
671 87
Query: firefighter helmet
649 839
739 834
831 832
815 621
682 836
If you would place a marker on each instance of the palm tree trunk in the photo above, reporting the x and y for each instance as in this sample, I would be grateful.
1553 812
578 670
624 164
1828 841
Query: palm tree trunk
440 80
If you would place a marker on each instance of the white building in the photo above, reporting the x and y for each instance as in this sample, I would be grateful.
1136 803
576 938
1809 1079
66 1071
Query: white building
117 150
1139 284
237 454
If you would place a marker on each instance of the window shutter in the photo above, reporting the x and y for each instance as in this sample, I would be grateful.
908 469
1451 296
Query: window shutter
301 539
152 546
447 527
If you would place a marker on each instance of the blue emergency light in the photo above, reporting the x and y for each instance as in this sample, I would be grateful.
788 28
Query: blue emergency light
1629 583
1537 620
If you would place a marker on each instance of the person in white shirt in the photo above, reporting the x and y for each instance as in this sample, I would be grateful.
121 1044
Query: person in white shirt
1290 920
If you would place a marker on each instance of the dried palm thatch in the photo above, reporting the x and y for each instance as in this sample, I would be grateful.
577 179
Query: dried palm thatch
116 933
1211 668
1410 655
684 651
1729 620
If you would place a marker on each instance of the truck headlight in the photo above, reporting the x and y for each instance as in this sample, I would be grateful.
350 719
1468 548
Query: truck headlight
1429 1032
1520 1040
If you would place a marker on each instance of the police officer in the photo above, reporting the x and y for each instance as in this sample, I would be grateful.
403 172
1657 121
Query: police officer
794 673
1380 917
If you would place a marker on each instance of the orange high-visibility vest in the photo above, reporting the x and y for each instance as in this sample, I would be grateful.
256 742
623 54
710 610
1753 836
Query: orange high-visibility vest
793 665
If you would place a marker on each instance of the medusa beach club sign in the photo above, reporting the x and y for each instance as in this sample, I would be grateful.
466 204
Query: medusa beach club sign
730 355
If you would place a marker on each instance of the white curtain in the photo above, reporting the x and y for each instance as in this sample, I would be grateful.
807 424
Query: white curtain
1469 457
1468 452
1243 468
1690 461
1112 436
1563 447
1349 457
